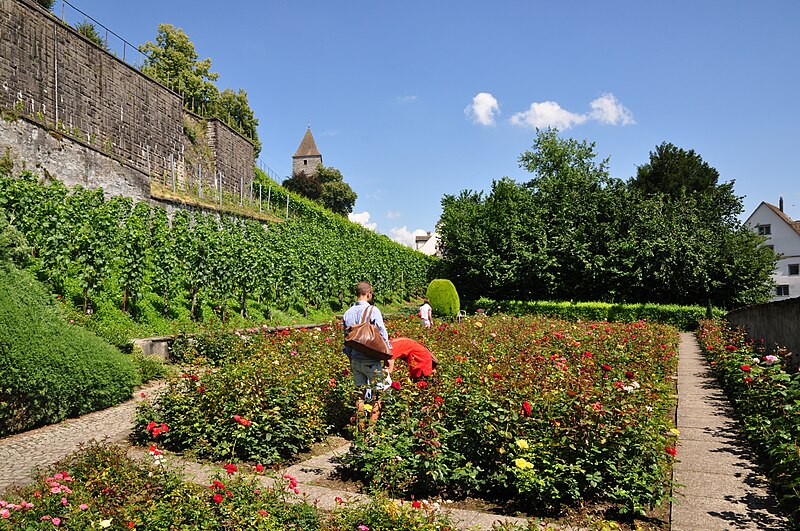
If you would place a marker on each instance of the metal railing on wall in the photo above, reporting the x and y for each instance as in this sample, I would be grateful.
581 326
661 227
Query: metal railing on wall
105 37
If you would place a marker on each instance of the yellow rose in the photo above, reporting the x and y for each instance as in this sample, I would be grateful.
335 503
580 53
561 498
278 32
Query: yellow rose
489 367
522 443
522 464
367 407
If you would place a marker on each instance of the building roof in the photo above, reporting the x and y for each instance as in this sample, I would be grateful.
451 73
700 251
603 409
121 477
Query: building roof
793 224
308 148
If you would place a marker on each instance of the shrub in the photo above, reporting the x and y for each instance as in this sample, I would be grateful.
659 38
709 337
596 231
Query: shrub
149 367
683 317
51 370
100 484
270 397
100 487
444 298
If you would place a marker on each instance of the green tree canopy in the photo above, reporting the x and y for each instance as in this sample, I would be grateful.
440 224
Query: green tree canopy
234 109
574 233
325 186
304 184
173 61
337 196
88 30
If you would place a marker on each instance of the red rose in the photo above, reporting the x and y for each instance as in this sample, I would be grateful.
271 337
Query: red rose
438 399
218 498
230 469
415 504
671 450
526 408
259 467
748 379
629 375
458 379
396 386
422 385
746 368
606 367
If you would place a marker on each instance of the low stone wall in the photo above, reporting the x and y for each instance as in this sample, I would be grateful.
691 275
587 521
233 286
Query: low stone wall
777 323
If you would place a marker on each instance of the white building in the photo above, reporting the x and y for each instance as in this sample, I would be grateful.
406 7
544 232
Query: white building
783 236
427 244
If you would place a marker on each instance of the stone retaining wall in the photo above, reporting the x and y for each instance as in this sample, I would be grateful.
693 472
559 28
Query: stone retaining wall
777 323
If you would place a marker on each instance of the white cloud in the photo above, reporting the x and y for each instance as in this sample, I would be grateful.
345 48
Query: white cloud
408 99
362 218
608 110
391 214
404 236
483 109
547 114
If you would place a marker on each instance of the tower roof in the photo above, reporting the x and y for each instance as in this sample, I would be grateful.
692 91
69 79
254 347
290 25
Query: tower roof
308 148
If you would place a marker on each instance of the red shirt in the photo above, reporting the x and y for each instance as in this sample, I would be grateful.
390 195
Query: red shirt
418 358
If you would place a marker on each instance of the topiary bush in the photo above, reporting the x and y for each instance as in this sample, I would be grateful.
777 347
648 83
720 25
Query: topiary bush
444 298
49 369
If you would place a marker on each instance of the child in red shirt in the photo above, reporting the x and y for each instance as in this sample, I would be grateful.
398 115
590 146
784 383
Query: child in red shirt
420 360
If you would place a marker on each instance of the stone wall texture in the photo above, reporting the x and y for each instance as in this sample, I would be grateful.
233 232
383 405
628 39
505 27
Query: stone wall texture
777 323
54 76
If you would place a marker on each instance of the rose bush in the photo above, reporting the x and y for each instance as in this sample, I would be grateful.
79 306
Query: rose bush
101 488
767 400
277 394
547 412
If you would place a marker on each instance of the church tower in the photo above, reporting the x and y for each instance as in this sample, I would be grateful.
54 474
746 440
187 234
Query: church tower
307 157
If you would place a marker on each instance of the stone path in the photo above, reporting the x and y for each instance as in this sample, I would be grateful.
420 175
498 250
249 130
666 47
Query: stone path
722 487
21 454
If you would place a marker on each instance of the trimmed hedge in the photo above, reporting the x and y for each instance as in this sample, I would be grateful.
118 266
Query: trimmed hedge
51 370
683 317
444 298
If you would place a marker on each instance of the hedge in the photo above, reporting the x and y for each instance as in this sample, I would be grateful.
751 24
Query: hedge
51 370
683 317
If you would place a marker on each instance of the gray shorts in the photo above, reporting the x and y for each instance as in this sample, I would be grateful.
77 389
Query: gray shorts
367 372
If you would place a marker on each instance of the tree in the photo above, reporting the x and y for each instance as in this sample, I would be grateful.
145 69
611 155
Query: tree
304 184
234 109
571 191
720 260
47 4
88 30
337 195
675 172
172 61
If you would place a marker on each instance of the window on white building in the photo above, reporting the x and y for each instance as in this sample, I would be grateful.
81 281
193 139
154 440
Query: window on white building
764 230
782 291
794 269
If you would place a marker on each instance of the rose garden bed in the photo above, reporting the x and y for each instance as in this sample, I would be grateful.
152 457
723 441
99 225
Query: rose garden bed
540 417
541 414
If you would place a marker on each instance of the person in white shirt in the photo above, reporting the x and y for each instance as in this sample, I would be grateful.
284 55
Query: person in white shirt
426 313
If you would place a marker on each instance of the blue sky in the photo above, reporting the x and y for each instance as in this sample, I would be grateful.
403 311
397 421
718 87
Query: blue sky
414 100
